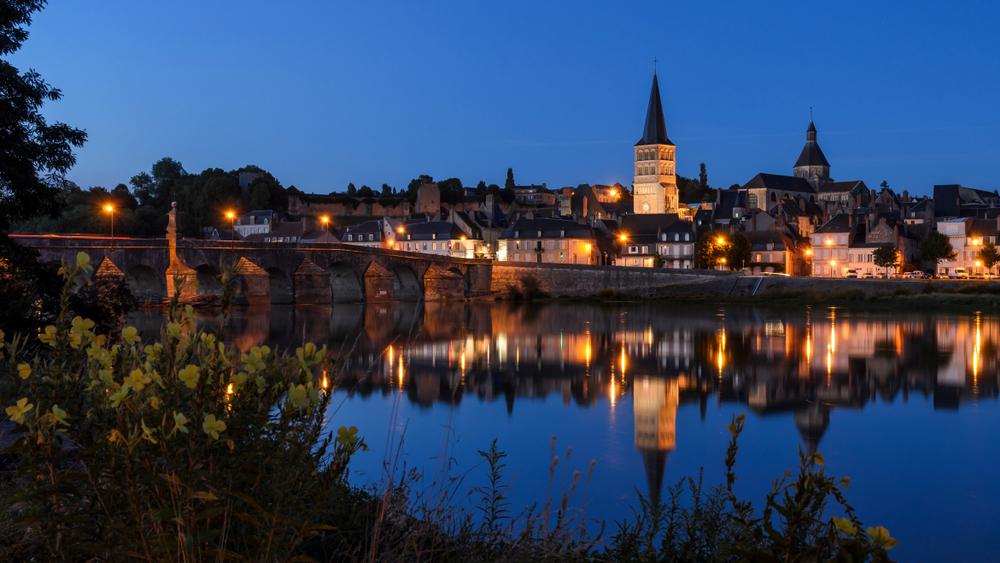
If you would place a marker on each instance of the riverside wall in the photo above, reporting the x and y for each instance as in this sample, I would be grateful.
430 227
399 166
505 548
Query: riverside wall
571 280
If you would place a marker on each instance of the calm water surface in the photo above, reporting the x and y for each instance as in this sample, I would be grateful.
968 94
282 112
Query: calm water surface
904 404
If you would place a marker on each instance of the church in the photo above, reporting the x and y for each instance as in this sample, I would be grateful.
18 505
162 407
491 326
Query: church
810 180
655 183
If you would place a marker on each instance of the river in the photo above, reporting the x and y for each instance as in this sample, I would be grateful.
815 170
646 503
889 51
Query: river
905 404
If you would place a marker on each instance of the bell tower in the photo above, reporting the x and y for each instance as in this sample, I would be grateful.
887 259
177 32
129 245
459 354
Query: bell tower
655 179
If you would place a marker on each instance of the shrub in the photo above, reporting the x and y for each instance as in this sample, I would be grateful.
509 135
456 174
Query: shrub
182 448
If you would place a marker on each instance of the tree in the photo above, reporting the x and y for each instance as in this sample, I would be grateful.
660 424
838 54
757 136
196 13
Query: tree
351 190
414 185
884 185
509 184
703 176
365 191
886 257
936 247
144 188
34 154
989 256
737 251
386 190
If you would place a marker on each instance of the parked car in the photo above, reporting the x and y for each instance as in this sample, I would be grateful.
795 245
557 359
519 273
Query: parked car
916 275
868 276
851 274
960 274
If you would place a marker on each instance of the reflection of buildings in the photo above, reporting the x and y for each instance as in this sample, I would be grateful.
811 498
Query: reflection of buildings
654 404
803 365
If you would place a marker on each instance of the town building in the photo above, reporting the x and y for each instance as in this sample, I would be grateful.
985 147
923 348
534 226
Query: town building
375 233
655 241
435 237
967 236
254 222
548 241
655 183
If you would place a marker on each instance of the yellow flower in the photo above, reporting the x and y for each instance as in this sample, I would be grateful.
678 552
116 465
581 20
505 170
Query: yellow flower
297 395
154 402
180 422
118 396
130 334
174 330
189 375
17 412
212 427
24 371
844 526
82 260
880 535
147 432
59 415
817 458
49 335
136 380
80 328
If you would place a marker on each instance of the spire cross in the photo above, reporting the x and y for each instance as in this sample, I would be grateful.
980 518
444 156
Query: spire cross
654 65
810 113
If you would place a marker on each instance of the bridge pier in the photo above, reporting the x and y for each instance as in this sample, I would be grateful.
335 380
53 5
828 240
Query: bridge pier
253 283
378 283
311 284
441 284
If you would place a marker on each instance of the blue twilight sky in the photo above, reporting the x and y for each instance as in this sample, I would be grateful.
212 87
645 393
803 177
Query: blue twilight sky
322 93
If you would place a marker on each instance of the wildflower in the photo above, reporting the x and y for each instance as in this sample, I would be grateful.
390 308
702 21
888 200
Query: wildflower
83 261
208 339
844 526
189 375
118 396
59 415
174 330
817 458
136 380
212 427
180 422
130 335
880 535
297 395
24 371
348 437
49 336
17 412
154 402
79 330
147 432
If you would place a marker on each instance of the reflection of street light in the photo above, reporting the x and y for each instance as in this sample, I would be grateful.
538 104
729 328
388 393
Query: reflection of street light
401 229
720 240
808 251
110 210
623 237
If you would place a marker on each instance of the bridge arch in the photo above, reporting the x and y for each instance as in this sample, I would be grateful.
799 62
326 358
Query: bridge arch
462 274
282 292
345 287
209 282
405 283
146 285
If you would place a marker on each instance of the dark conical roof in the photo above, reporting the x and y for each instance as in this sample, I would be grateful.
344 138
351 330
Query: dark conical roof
811 154
654 131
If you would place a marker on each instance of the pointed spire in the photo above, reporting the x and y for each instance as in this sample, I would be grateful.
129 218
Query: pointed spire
811 154
655 129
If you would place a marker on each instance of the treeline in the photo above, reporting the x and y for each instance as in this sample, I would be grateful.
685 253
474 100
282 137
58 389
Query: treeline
140 208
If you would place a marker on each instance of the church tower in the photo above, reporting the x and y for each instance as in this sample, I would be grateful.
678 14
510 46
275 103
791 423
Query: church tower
655 175
812 164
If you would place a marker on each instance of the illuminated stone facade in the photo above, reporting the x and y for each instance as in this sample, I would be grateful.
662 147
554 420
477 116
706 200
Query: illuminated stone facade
655 181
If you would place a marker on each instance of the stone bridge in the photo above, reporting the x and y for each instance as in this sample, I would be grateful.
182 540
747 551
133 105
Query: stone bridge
302 273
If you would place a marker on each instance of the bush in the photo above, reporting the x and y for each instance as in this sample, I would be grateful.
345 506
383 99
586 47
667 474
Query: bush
182 448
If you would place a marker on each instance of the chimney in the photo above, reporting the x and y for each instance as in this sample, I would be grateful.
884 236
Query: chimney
906 196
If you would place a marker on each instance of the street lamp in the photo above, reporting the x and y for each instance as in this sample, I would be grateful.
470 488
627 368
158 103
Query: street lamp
325 220
110 210
720 240
623 238
808 251
401 229
231 215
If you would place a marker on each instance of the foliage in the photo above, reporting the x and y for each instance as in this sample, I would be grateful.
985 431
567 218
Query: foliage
989 255
34 154
793 525
936 247
180 449
718 248
886 256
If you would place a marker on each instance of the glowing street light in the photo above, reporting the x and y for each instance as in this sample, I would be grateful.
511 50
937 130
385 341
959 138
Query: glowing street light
587 247
720 240
401 229
325 220
808 251
231 215
110 210
623 237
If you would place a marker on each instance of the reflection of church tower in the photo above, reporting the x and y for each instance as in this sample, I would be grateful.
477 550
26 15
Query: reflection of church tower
812 423
655 183
654 406
812 165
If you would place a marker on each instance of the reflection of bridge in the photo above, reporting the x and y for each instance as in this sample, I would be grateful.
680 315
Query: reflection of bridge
272 272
